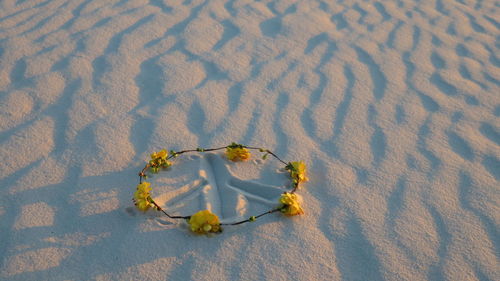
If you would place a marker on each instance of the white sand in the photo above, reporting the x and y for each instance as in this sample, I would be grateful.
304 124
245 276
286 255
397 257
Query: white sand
393 105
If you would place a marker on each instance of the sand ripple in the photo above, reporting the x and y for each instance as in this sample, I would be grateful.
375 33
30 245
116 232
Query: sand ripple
393 104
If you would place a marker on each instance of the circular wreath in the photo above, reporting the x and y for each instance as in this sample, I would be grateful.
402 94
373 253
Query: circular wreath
205 221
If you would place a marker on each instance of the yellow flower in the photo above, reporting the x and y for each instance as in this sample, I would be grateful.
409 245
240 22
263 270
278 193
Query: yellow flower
237 153
159 155
142 196
297 171
291 204
159 160
204 222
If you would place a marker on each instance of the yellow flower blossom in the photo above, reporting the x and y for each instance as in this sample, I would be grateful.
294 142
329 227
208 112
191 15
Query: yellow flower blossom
204 222
162 154
237 153
159 160
297 171
142 196
291 204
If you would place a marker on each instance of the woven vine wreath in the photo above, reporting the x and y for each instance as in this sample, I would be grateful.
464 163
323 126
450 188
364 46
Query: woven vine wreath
204 221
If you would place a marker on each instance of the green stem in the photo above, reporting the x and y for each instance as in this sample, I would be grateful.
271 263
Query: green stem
268 151
177 153
172 217
256 217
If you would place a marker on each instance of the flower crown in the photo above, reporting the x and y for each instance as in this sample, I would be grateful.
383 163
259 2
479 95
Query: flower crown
204 221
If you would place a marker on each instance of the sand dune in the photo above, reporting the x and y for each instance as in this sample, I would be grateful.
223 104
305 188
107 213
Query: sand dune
393 105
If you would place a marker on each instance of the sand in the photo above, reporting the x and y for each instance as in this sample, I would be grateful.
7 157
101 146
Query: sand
393 105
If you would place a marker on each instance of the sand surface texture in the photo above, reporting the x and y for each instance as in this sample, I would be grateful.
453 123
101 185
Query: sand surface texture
394 105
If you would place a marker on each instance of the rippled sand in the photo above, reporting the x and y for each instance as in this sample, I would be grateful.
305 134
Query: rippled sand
393 105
